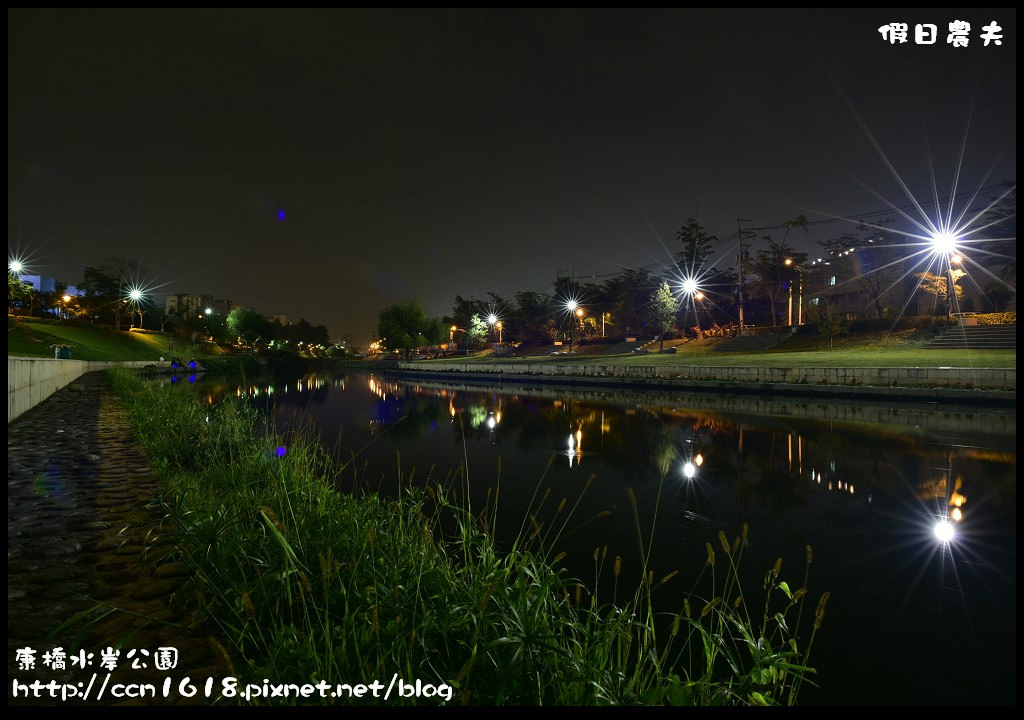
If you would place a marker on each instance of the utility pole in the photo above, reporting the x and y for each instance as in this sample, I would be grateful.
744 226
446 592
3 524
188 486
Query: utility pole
740 259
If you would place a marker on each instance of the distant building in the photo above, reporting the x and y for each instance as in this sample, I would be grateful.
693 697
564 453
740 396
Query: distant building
844 284
280 319
41 283
185 303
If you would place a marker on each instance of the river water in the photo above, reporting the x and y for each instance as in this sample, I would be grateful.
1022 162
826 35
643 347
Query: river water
912 620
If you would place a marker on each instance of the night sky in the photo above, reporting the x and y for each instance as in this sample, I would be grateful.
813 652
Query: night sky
327 163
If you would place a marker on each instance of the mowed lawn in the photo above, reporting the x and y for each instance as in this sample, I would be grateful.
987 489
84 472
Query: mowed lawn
92 342
866 350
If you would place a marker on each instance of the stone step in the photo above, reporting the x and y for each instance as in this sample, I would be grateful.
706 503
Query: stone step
981 337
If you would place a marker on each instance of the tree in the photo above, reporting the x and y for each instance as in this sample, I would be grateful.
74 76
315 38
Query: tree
532 317
108 285
435 331
831 324
996 296
477 330
879 257
773 272
696 247
998 242
464 309
405 325
630 295
18 292
938 285
249 325
663 311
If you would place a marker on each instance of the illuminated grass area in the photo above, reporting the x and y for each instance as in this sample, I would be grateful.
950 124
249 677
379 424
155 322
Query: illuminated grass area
896 349
94 342
304 582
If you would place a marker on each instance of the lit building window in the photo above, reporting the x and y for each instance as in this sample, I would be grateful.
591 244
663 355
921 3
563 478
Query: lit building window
832 280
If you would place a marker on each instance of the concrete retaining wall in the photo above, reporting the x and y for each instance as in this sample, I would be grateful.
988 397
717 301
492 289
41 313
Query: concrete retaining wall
980 378
32 380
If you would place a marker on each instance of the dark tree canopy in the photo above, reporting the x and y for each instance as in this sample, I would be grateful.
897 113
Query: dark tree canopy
249 325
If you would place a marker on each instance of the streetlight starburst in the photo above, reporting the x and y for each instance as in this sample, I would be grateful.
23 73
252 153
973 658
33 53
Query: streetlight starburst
944 243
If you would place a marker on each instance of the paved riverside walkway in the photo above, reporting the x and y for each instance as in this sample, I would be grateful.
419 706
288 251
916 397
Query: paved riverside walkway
84 533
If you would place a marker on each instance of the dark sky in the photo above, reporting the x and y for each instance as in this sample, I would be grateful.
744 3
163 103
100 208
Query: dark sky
428 153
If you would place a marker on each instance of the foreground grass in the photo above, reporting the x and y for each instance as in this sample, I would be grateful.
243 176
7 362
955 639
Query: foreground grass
309 584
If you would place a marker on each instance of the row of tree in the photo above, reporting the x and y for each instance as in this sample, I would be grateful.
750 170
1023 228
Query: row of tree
105 299
642 302
700 288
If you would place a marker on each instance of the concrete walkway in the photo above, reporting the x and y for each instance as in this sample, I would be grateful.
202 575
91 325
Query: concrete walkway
84 536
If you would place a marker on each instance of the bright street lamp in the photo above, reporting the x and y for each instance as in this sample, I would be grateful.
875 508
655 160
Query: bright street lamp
944 243
15 266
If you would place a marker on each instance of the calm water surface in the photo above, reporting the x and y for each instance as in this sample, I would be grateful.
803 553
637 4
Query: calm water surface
912 620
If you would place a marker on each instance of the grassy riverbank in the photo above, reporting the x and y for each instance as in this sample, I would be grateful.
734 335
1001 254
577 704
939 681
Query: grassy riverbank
92 342
307 584
902 348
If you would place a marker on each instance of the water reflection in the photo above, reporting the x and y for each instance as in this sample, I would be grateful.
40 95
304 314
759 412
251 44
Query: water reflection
911 512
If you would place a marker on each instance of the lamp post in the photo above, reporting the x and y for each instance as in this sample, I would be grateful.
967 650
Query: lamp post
953 300
492 320
696 316
691 288
944 245
800 294
498 325
135 296
66 298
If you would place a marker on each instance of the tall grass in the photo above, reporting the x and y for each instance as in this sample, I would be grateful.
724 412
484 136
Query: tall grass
307 583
